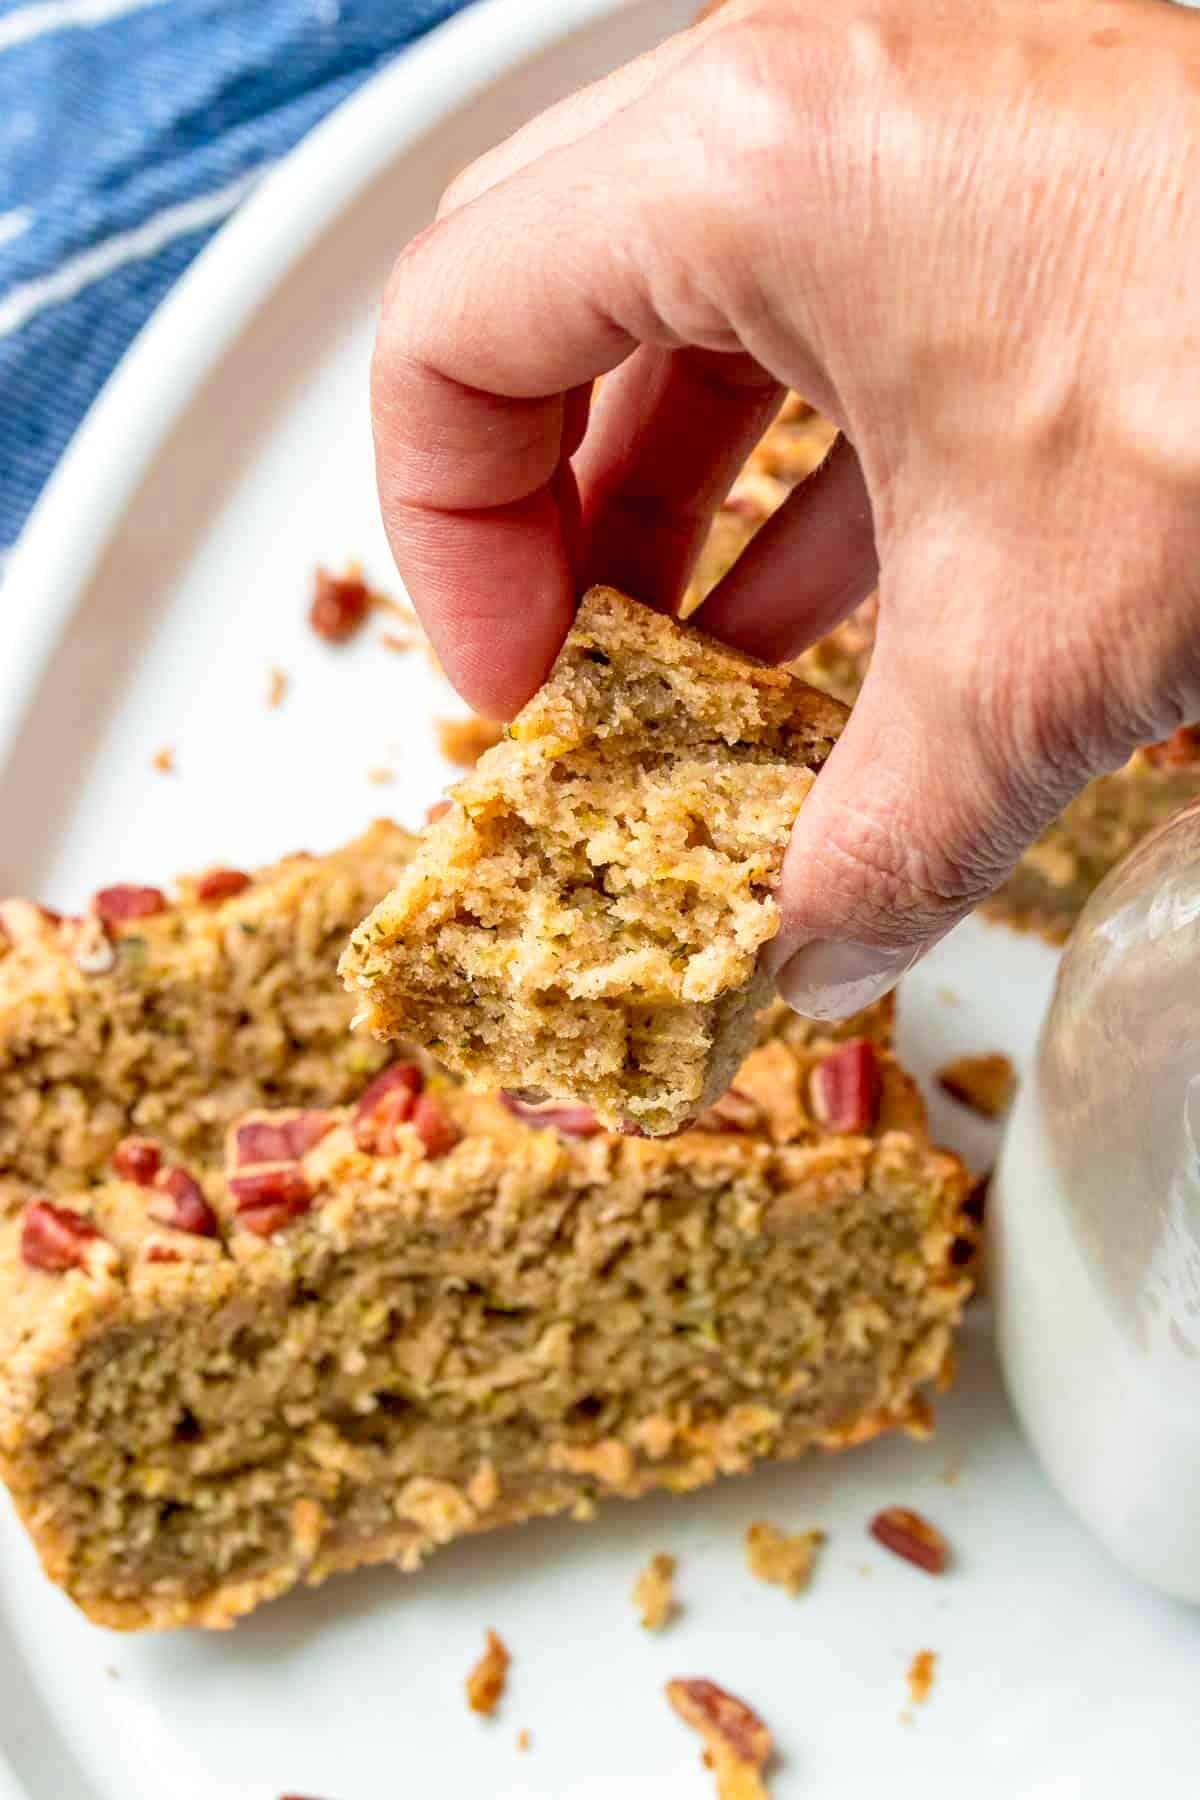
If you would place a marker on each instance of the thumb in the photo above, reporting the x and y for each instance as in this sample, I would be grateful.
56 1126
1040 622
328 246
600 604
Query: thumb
920 812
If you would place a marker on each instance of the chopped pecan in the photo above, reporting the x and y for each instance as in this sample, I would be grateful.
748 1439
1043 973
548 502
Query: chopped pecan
270 1197
1178 751
115 905
137 1159
221 884
844 1087
734 1111
542 1115
436 1130
485 1683
158 1252
180 1203
180 1247
738 1744
339 605
279 1138
385 1103
984 1083
55 1239
907 1534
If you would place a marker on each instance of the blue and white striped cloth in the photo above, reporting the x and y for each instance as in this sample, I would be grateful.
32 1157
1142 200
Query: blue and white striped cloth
129 130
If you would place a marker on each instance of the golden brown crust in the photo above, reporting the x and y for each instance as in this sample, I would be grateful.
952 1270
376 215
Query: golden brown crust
175 1022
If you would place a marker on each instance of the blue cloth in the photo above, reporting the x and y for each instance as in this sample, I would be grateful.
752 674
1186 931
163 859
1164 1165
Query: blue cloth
130 123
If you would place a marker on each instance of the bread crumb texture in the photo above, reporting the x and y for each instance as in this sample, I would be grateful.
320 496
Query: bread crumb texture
584 920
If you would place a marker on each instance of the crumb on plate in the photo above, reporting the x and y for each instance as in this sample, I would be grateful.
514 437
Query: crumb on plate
983 1083
654 1592
784 1559
277 687
921 1672
339 604
485 1683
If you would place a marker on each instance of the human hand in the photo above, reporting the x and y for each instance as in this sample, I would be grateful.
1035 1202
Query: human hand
970 238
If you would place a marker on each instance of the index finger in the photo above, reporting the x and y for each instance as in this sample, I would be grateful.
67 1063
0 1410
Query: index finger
492 318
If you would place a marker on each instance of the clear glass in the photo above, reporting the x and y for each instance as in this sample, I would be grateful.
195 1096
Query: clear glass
1095 1218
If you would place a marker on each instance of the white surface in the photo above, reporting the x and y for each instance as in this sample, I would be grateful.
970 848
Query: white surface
146 610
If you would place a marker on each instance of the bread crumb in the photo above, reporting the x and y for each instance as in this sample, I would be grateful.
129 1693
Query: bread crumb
163 760
381 777
921 1671
784 1561
339 604
983 1083
463 741
485 1683
948 996
391 640
523 1739
277 687
654 1592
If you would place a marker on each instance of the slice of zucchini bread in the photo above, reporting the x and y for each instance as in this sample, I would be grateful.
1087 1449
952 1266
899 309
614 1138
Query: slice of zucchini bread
585 918
173 1016
378 1328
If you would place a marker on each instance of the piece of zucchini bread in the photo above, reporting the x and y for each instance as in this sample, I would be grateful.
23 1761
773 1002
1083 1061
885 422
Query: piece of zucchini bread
377 1328
584 919
172 1016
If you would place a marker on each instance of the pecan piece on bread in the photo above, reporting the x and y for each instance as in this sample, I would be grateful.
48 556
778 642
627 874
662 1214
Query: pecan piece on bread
844 1087
116 905
179 1202
55 1239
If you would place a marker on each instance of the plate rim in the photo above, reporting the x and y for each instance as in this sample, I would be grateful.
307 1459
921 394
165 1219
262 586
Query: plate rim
155 381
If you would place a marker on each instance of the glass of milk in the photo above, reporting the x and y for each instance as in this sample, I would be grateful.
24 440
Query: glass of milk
1095 1218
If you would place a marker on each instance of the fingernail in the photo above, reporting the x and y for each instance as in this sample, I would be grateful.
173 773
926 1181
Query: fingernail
830 980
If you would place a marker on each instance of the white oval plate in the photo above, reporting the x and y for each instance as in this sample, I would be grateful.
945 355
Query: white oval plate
165 572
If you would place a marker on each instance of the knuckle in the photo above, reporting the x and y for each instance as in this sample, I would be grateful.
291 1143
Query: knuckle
882 883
